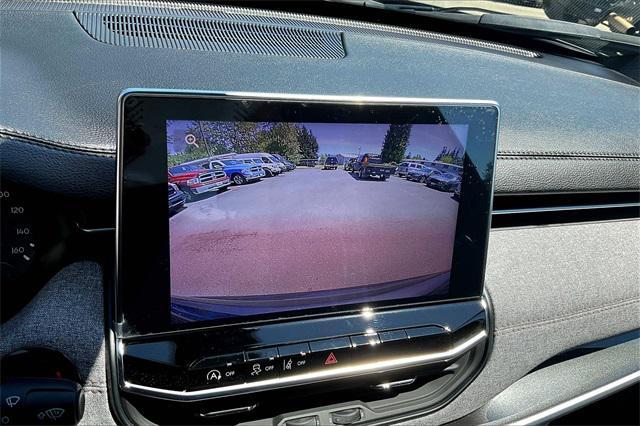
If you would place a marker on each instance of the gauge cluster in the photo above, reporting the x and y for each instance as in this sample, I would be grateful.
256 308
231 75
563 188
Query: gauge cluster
19 239
41 232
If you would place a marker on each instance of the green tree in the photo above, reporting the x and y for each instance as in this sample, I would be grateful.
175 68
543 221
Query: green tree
218 137
222 137
308 143
244 137
395 143
281 138
190 154
452 156
212 135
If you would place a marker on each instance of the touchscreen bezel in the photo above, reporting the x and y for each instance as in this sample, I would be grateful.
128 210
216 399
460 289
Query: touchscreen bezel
142 280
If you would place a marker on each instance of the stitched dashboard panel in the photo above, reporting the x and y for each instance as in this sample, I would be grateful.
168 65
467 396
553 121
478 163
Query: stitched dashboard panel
211 35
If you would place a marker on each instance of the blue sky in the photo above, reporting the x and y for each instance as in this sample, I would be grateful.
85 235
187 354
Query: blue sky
344 138
426 139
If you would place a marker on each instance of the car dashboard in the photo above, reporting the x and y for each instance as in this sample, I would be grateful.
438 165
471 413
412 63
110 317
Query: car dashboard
562 259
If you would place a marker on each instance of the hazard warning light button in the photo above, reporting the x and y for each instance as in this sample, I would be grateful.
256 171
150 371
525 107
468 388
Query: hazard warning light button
330 353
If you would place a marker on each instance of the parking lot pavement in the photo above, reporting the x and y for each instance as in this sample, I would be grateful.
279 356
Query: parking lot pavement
308 230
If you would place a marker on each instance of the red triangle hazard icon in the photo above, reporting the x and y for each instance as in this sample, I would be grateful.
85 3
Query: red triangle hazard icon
331 359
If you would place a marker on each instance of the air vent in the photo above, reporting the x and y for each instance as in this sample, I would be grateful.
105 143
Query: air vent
212 35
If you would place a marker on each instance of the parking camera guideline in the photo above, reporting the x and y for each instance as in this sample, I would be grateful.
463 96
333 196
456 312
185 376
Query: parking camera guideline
270 217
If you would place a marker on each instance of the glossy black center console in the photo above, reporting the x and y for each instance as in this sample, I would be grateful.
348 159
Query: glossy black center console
341 363
375 362
198 365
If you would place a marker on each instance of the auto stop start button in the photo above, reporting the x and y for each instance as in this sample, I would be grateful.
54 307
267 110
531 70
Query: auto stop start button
223 370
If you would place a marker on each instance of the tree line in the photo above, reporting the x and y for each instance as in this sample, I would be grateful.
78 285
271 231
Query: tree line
397 139
292 141
453 156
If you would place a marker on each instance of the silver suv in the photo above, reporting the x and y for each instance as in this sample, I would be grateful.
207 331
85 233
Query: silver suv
421 173
406 166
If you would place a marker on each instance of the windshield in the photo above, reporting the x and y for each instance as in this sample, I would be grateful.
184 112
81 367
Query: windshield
231 162
183 169
620 16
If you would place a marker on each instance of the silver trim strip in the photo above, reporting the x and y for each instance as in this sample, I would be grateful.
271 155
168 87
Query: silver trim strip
227 412
580 401
396 384
348 99
565 208
371 367
95 230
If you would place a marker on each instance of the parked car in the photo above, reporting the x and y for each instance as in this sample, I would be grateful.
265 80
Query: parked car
330 163
348 166
193 179
177 198
289 165
271 165
308 162
371 165
406 166
421 173
239 172
270 170
443 181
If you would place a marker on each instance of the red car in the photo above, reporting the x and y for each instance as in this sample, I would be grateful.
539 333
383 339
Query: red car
194 180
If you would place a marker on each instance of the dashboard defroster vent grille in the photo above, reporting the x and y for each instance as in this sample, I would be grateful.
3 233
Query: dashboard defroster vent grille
212 35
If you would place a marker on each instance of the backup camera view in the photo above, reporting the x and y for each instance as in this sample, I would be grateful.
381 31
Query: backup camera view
271 217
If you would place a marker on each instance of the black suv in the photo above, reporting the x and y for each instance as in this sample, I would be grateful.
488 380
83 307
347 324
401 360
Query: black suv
330 163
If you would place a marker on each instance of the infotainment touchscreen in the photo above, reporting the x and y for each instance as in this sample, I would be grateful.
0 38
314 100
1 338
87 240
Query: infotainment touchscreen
283 216
282 207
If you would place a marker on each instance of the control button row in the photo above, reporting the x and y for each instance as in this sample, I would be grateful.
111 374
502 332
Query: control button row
261 364
282 361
